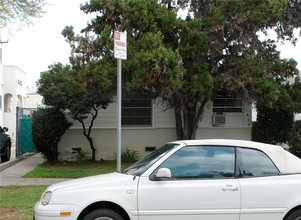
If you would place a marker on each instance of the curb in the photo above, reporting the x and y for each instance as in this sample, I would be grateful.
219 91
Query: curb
8 164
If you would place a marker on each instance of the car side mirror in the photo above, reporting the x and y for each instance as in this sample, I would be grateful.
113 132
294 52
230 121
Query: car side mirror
163 174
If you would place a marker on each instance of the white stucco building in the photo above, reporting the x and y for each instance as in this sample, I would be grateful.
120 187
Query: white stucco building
12 92
149 125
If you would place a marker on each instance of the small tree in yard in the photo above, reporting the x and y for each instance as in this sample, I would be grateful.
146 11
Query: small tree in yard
48 127
81 89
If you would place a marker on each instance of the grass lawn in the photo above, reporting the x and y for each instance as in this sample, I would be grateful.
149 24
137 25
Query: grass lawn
17 202
73 169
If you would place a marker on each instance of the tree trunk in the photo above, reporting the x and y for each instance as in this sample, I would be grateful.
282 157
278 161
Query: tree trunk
87 134
52 157
188 118
92 148
90 140
179 127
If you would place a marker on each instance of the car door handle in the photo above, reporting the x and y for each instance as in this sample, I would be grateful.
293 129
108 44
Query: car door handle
230 188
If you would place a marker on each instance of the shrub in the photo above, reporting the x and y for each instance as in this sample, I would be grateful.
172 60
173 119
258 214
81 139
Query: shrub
48 127
82 156
294 140
272 126
129 156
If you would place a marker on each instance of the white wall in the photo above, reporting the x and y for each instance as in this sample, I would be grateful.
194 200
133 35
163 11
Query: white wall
1 93
32 100
105 140
13 84
238 126
137 139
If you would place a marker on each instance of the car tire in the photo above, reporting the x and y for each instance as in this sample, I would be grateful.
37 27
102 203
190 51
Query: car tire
296 215
103 214
6 156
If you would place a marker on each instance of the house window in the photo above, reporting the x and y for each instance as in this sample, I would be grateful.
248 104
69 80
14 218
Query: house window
227 103
136 112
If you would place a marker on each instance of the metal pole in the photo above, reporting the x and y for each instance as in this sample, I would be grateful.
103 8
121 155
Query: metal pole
119 98
17 153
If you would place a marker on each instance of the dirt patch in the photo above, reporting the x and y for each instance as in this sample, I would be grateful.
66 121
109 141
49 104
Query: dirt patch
10 214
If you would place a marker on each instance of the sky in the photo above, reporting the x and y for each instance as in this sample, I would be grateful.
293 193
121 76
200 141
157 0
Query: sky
35 47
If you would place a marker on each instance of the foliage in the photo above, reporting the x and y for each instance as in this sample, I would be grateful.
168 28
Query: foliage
272 126
20 10
17 202
79 88
129 156
294 140
217 48
294 91
48 127
82 156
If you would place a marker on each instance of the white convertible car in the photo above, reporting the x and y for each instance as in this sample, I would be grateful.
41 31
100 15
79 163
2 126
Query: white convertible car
190 180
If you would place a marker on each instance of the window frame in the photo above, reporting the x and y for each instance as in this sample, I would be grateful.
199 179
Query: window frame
129 125
229 108
238 162
152 177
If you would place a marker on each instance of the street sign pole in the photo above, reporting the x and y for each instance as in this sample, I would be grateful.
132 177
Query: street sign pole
119 99
120 53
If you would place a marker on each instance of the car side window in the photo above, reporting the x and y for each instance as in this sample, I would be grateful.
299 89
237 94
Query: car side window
201 162
255 163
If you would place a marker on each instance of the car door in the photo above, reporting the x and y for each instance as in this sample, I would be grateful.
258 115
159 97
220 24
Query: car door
202 186
265 193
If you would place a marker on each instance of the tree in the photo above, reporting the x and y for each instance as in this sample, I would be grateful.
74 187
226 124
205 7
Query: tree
294 140
20 10
215 49
155 64
48 127
274 124
81 90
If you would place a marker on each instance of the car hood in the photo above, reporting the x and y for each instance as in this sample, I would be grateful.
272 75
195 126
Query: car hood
98 179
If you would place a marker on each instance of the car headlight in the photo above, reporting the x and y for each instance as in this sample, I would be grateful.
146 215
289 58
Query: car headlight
46 197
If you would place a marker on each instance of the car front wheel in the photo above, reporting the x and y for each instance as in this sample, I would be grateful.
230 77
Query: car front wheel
296 215
103 214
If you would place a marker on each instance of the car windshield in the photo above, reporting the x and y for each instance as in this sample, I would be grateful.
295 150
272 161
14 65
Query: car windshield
139 167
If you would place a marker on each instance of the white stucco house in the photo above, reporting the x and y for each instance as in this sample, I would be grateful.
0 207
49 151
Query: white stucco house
12 93
148 125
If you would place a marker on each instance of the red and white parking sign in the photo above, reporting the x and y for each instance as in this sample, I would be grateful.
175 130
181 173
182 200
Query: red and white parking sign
120 45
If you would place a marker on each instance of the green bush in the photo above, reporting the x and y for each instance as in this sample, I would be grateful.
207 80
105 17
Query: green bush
294 139
272 126
48 127
129 156
82 156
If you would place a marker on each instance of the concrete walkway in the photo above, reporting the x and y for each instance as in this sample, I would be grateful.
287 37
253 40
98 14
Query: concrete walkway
12 172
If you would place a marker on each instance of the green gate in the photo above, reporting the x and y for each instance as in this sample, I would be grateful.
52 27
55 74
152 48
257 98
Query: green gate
24 142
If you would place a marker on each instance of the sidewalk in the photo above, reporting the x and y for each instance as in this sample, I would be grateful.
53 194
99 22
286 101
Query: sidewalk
11 172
